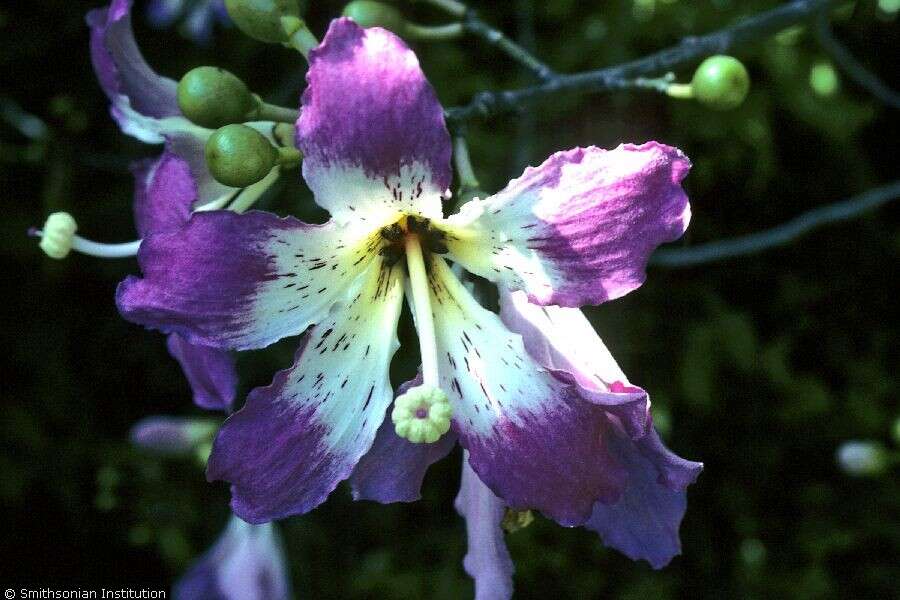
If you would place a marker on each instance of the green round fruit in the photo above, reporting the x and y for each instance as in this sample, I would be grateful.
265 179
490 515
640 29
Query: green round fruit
212 97
721 82
239 156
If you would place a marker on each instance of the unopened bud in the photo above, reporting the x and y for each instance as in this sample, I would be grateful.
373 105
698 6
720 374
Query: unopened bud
173 436
862 458
516 520
213 97
239 156
261 19
368 13
721 82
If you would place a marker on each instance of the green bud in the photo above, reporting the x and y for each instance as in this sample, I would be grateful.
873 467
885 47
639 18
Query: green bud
368 13
516 520
213 97
721 82
261 19
239 156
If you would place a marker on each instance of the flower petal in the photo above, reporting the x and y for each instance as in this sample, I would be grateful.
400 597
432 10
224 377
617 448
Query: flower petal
210 372
562 339
530 437
371 128
393 468
644 523
246 563
121 68
487 561
170 187
164 192
296 439
578 229
242 280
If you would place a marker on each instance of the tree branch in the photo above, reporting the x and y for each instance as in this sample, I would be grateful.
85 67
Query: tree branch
777 236
691 49
474 25
852 67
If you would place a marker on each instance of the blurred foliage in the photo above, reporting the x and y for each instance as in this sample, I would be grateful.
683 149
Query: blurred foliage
760 366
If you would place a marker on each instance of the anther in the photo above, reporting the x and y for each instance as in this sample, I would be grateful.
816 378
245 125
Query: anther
393 233
58 239
417 225
422 414
58 235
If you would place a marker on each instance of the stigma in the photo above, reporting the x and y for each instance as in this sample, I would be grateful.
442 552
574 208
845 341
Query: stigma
422 414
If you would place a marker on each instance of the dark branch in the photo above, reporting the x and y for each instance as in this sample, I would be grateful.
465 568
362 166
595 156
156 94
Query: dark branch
854 69
474 25
691 49
777 236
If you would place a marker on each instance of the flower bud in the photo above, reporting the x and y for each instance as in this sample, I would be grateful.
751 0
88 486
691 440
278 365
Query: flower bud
721 82
368 13
862 458
261 19
58 235
516 520
213 97
172 436
239 156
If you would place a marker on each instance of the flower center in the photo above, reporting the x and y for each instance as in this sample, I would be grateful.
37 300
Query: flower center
422 414
430 238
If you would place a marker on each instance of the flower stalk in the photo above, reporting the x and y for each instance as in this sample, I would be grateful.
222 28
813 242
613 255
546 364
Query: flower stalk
299 37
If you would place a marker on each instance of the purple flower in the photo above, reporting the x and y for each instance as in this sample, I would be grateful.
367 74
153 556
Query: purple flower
170 188
576 230
199 16
246 563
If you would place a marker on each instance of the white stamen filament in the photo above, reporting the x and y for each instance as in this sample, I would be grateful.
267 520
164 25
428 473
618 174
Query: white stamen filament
421 300
101 250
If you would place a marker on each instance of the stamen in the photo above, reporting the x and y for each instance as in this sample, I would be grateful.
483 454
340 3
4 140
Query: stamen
421 299
58 239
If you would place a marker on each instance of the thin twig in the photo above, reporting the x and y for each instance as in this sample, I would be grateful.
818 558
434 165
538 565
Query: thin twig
851 66
474 25
691 49
777 236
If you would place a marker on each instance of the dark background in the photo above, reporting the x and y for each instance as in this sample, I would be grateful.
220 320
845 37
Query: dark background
759 366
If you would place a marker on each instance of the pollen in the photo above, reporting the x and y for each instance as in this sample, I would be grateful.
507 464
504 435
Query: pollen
58 235
422 414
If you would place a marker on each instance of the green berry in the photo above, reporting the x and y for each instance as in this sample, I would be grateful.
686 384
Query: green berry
721 82
239 156
368 13
261 19
212 97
